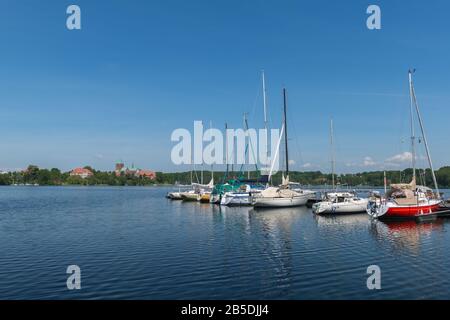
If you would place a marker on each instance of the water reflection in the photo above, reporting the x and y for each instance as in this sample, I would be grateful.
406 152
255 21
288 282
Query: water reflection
275 228
350 220
277 218
405 235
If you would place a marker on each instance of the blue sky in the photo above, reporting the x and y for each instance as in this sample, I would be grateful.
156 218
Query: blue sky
140 69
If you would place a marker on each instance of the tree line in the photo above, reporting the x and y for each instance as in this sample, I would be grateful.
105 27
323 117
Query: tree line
55 177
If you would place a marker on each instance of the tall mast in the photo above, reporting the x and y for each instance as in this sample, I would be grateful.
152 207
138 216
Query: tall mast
266 126
413 134
264 99
201 175
212 165
232 159
192 168
226 147
333 160
286 133
430 162
201 171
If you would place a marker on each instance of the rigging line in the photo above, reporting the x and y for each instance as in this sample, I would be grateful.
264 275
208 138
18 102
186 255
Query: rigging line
251 145
419 117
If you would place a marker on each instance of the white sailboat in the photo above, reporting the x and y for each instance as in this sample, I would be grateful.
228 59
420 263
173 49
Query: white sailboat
339 202
241 197
191 195
174 195
282 196
204 190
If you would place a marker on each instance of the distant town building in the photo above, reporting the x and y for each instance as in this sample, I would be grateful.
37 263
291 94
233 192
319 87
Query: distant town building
120 169
81 172
146 174
131 171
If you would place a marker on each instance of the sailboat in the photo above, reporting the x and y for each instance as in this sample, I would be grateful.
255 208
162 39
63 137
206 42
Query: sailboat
410 201
174 195
282 196
224 186
243 195
336 202
199 192
238 191
204 191
191 195
341 203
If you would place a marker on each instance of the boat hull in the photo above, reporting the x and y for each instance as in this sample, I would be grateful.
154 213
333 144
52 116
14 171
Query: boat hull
204 198
388 211
215 199
340 208
236 199
189 196
174 196
279 202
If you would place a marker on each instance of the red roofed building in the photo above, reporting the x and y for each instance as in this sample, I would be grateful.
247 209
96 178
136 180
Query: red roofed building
147 174
81 172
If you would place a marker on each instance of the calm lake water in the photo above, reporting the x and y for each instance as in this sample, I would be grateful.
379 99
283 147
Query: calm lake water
132 243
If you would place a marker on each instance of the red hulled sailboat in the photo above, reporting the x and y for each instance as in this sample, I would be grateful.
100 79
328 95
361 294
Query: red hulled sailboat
409 201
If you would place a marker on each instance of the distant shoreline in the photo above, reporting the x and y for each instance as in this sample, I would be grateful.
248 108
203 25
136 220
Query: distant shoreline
91 177
318 187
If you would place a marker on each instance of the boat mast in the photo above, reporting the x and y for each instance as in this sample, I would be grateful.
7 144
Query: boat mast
212 165
232 160
413 134
430 162
203 166
333 160
264 99
192 168
266 126
226 148
286 134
